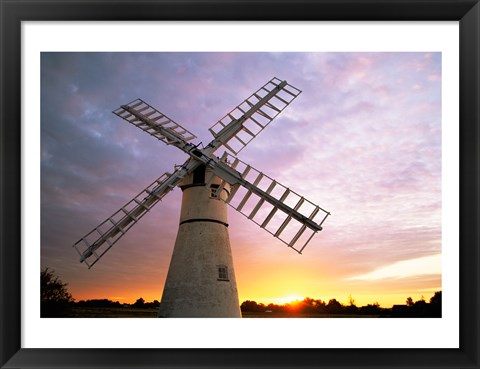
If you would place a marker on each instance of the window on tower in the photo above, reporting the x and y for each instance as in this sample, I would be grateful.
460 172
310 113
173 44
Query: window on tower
222 273
214 191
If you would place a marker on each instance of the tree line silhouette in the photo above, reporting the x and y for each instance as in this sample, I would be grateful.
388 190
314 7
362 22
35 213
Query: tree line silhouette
56 301
308 305
140 303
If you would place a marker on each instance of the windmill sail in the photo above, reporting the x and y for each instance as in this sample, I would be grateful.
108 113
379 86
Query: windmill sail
280 211
241 125
150 120
97 242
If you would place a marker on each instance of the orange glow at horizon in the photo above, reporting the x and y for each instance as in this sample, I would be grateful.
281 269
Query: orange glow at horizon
362 298
283 279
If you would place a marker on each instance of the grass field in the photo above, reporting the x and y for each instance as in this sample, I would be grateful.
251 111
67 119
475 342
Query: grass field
114 312
301 315
121 312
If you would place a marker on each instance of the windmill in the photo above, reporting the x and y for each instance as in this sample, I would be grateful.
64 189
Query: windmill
201 279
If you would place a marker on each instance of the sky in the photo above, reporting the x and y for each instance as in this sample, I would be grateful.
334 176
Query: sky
362 140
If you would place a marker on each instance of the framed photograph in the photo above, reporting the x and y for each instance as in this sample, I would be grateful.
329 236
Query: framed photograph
369 175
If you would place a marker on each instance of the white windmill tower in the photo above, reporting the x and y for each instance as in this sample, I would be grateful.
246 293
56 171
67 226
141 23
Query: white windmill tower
201 279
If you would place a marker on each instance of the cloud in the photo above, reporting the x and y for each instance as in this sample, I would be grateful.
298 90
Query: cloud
428 265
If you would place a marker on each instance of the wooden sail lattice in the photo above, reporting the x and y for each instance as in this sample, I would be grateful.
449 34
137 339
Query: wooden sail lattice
150 120
272 99
97 242
295 231
277 209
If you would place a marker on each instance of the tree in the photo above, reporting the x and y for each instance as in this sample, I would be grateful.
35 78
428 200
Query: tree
55 300
139 303
101 303
308 306
275 308
409 301
320 307
351 308
252 306
436 298
436 304
152 305
371 309
334 307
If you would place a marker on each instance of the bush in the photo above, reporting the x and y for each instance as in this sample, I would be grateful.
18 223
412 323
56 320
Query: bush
55 300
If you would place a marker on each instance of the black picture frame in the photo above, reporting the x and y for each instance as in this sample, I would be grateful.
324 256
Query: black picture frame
12 355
